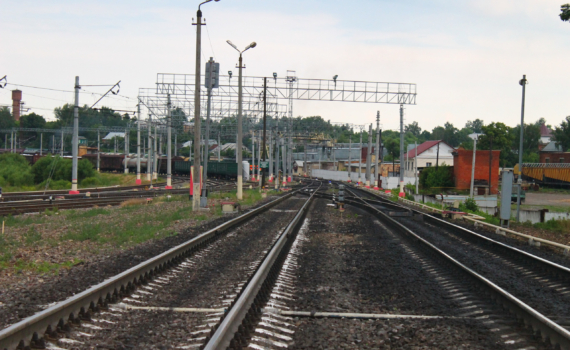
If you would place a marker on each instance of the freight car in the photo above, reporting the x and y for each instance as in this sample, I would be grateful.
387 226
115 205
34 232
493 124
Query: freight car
116 162
220 170
556 174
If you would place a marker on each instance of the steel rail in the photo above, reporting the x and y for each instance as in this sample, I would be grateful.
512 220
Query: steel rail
32 329
467 234
230 326
549 330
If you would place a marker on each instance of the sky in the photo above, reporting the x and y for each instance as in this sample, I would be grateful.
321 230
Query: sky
466 57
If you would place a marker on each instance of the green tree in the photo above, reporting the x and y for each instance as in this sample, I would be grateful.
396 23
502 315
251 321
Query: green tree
475 125
531 138
565 12
6 119
15 170
502 139
413 129
450 134
32 120
562 134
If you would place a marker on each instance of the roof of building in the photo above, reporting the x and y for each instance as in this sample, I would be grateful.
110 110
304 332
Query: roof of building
114 134
424 147
552 147
545 131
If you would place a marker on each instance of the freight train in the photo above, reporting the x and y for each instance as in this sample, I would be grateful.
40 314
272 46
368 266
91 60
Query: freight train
226 169
554 174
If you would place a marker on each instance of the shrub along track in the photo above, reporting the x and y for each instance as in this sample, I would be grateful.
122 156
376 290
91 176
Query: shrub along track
78 283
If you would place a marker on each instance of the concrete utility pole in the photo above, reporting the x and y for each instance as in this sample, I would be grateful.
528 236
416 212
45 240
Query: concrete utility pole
277 158
263 146
138 181
53 146
270 155
305 166
149 150
239 121
368 156
360 161
219 147
349 156
168 144
155 154
253 155
41 143
61 142
195 185
75 141
283 141
401 194
285 155
523 83
416 167
377 150
126 151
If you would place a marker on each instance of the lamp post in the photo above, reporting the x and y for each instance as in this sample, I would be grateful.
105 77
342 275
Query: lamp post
74 147
239 121
474 137
196 179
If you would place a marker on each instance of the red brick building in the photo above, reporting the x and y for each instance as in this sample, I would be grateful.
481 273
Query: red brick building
463 162
555 157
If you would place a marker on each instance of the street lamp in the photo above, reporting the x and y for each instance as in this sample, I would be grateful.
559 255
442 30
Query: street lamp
334 79
239 121
474 137
195 186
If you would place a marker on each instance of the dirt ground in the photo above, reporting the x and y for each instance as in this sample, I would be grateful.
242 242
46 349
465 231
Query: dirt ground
555 199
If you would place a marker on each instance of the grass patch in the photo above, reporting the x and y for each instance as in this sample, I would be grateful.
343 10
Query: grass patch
554 225
43 267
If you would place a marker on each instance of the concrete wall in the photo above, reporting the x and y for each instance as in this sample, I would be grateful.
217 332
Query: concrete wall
556 216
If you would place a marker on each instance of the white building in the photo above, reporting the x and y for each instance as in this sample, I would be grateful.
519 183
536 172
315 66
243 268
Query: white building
428 153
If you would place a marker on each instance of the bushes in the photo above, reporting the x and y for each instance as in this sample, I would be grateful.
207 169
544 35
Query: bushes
471 204
436 177
60 169
15 171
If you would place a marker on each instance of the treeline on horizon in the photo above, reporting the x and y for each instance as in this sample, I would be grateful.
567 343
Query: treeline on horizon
503 137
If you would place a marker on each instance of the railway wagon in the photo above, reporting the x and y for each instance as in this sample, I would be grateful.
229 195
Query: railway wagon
109 162
557 174
222 170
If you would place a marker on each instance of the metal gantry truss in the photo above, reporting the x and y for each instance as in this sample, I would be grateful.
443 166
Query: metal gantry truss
299 89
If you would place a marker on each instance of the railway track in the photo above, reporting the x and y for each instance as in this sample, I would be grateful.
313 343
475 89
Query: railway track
535 290
67 323
105 198
266 280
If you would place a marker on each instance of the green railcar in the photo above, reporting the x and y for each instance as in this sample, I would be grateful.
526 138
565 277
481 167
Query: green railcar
224 169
